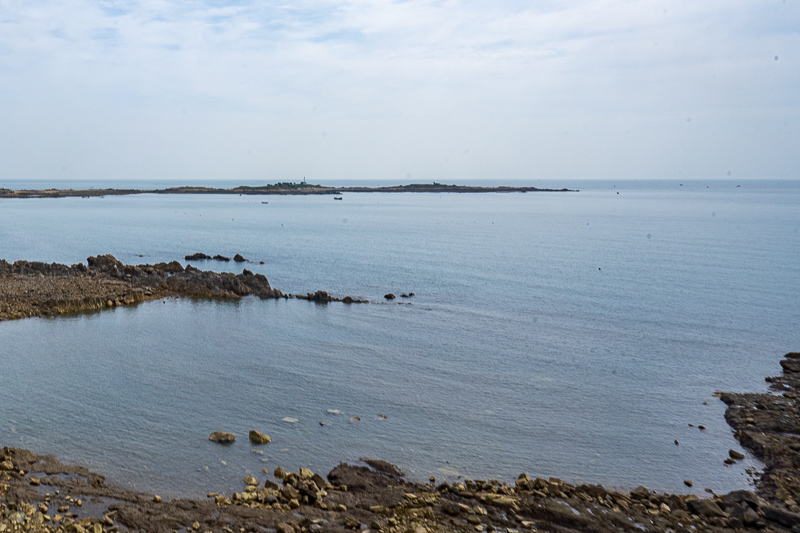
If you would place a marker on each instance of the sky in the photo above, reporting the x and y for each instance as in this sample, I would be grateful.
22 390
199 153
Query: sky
405 90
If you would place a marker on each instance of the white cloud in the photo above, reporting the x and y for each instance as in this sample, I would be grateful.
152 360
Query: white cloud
596 88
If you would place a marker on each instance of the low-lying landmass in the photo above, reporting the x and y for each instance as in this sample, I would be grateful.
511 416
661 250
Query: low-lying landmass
281 188
38 493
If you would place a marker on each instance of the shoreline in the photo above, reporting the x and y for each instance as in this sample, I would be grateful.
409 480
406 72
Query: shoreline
374 495
38 493
29 288
272 189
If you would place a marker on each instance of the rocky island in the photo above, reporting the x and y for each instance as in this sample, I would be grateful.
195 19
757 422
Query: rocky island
280 188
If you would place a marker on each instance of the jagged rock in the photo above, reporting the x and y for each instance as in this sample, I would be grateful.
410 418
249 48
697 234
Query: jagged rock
222 437
197 257
219 257
239 259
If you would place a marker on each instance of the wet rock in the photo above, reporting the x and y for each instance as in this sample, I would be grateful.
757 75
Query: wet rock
688 482
389 296
279 472
640 493
222 437
256 437
733 454
219 257
250 480
239 259
197 257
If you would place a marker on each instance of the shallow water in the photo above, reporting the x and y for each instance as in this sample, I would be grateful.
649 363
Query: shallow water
568 334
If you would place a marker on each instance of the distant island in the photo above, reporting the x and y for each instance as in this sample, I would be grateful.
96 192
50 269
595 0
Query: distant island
284 188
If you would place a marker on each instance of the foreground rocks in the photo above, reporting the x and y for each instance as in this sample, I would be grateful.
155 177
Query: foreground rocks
769 426
47 289
36 496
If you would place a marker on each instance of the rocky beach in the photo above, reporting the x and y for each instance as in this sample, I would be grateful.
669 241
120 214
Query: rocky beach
38 493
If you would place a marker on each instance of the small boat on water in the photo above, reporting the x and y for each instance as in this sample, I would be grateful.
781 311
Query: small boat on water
337 197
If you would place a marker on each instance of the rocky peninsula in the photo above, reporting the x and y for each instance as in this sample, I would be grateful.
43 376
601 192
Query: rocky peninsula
38 493
281 188
29 288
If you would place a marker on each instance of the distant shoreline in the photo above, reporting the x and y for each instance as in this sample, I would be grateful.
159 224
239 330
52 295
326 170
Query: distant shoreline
273 189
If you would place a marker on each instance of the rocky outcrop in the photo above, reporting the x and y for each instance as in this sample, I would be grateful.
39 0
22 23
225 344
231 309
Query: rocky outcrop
768 425
43 289
323 297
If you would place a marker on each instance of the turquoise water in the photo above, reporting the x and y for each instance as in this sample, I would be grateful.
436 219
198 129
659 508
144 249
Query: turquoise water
567 334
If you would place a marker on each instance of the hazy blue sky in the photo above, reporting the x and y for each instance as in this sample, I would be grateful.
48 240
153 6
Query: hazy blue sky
413 90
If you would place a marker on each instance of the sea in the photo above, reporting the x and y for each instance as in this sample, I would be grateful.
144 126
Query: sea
569 334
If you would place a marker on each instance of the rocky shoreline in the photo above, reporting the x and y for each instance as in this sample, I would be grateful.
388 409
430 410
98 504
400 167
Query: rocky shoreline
29 288
38 493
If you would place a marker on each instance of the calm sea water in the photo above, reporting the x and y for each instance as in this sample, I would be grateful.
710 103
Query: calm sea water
566 334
